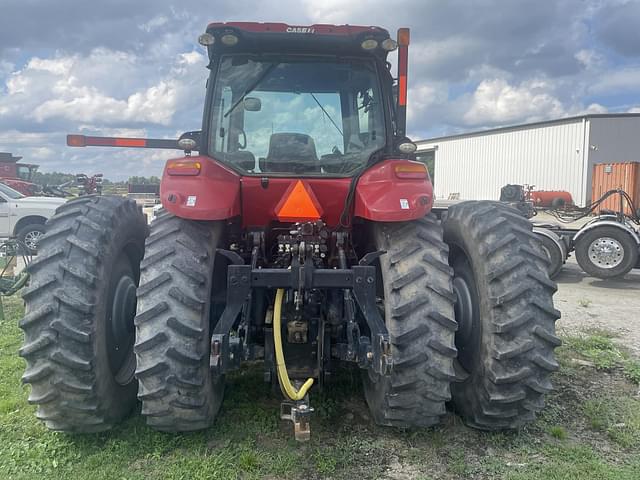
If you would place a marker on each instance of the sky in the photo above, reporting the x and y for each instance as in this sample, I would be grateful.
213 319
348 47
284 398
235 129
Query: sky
124 67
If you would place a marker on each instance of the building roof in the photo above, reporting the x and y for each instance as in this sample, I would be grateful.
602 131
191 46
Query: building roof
8 157
528 125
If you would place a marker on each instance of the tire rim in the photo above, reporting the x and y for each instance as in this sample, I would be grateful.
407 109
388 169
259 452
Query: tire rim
463 309
32 238
467 315
121 331
606 252
546 251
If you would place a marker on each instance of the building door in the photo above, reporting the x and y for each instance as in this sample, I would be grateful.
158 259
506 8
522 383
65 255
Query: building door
609 176
428 157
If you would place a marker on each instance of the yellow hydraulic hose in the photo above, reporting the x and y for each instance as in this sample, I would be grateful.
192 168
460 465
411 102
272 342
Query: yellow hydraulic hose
283 377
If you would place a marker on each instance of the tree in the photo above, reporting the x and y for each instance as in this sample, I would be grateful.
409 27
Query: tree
52 178
153 180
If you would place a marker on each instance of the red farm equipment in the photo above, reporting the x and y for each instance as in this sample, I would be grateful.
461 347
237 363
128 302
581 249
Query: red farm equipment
300 235
18 175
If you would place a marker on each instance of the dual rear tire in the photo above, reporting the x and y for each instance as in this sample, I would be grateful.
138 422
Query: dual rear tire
468 305
469 308
80 321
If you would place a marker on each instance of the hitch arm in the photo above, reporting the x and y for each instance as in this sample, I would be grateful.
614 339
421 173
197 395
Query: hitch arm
364 291
225 352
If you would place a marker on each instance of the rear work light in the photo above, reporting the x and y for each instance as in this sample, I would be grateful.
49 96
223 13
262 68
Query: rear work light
187 144
389 44
407 147
411 170
206 39
183 167
229 39
369 44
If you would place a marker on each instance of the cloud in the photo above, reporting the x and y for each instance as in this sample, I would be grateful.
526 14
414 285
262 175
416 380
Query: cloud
617 27
154 23
154 105
82 89
590 59
496 102
623 80
101 92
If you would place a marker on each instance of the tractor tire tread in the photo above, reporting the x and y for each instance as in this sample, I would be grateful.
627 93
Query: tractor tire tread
171 329
420 319
520 333
59 303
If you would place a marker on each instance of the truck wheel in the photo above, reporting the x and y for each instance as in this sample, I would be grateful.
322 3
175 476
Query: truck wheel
78 323
172 347
414 281
30 235
553 253
606 252
504 309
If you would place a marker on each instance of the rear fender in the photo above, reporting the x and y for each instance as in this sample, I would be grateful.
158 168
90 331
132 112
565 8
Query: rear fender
214 194
383 197
607 223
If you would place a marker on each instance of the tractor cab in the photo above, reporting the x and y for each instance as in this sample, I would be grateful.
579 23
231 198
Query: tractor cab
18 176
25 171
323 108
10 168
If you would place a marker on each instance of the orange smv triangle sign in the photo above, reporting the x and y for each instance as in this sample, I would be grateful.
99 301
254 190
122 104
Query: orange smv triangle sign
298 204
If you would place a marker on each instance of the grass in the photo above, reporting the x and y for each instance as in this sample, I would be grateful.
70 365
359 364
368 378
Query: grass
590 429
618 417
598 347
556 431
584 303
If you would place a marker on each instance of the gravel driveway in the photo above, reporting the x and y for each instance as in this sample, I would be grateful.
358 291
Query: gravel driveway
588 302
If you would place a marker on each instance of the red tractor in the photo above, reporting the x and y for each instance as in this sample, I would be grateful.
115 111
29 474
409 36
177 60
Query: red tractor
301 235
18 175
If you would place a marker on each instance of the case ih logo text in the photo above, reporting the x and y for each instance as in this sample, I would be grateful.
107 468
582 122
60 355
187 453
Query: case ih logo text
300 30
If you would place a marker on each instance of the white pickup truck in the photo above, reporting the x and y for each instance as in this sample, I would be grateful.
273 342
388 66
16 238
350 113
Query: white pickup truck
24 217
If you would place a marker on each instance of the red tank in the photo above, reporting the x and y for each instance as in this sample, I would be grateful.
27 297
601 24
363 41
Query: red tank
551 198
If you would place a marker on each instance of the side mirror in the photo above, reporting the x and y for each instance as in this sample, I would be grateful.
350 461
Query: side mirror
252 104
189 141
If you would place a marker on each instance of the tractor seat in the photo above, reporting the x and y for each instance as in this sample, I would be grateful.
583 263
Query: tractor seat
291 152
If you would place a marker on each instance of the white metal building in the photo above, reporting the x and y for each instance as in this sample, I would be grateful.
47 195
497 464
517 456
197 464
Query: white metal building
552 155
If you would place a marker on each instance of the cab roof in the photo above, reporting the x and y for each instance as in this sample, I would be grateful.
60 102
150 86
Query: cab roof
254 37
